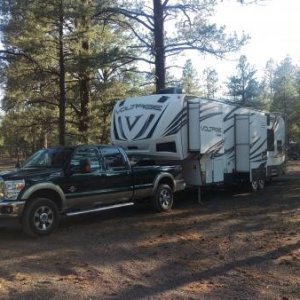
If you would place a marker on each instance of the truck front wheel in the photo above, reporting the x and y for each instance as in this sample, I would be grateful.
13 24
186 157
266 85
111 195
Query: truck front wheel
40 218
163 199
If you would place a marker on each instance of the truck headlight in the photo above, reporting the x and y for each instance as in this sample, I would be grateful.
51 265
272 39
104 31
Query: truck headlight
13 188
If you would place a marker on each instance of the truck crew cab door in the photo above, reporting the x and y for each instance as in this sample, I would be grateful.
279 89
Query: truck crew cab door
84 189
119 181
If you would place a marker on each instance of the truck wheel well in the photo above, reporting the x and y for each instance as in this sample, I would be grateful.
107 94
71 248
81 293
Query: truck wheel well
50 194
168 181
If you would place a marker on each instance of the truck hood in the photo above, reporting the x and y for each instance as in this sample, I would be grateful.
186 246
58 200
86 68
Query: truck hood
31 174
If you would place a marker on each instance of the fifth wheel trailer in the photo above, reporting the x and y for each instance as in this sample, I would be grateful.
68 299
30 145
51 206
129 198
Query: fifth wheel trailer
217 142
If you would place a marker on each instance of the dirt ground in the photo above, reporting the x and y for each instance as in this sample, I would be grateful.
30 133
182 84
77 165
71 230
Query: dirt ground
235 246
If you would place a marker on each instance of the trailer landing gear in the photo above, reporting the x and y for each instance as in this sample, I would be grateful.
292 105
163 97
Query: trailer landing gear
199 196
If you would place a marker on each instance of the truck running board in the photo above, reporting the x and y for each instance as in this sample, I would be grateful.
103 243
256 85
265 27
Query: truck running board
81 212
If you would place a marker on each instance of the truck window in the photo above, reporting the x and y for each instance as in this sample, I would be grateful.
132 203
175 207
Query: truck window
86 153
113 159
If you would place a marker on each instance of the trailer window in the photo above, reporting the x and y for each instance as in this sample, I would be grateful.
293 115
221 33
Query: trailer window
268 120
270 140
279 146
166 147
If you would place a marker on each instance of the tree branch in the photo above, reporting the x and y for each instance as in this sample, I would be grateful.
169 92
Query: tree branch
133 15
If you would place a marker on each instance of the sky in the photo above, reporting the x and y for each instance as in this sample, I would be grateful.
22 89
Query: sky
274 27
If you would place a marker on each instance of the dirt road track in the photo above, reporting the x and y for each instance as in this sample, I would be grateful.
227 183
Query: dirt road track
236 246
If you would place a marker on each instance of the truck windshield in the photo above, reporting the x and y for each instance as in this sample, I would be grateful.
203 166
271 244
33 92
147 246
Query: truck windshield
51 158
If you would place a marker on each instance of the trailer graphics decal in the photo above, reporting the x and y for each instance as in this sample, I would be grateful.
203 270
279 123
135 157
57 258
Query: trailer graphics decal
131 125
155 125
121 129
145 127
258 148
215 148
177 123
131 122
255 142
208 116
230 115
230 127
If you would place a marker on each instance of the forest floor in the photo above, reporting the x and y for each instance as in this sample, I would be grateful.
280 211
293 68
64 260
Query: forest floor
235 246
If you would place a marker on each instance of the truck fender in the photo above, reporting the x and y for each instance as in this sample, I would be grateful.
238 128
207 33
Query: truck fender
45 186
162 176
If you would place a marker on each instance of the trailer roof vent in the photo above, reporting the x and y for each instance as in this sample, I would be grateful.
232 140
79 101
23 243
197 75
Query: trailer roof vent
171 90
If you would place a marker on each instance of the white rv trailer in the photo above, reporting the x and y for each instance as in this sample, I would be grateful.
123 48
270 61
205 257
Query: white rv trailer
215 141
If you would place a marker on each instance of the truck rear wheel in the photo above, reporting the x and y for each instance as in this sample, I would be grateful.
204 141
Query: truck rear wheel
163 199
40 218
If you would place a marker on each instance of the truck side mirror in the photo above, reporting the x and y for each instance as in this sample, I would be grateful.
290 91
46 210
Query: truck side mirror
85 165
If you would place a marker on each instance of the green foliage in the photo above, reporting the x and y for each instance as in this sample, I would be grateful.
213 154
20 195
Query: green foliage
210 82
190 80
243 86
50 41
286 96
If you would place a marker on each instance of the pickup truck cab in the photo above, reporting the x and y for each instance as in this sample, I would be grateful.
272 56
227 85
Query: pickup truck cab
81 179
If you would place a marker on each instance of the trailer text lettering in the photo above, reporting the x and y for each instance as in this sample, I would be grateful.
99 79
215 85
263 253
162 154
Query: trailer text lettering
140 106
211 129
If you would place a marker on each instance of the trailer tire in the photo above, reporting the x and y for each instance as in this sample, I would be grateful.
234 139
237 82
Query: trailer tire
40 218
261 183
163 198
254 185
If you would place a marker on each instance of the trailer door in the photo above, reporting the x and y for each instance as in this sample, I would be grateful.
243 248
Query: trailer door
211 127
193 125
242 143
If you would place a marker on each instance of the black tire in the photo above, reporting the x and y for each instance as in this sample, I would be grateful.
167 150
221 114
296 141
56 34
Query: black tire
40 218
163 199
261 183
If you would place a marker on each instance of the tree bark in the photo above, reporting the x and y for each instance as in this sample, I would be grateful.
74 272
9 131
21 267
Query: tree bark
84 108
84 81
159 45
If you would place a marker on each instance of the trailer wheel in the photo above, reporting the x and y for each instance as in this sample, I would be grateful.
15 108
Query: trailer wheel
40 218
261 183
163 199
254 185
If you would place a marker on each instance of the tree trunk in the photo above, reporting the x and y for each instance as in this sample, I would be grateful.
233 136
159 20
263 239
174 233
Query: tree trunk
62 100
84 108
84 81
159 45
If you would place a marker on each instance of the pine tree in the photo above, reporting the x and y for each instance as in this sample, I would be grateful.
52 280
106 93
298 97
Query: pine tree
192 31
243 87
190 80
210 82
53 51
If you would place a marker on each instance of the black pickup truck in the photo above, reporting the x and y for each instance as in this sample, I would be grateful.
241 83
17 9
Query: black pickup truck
81 179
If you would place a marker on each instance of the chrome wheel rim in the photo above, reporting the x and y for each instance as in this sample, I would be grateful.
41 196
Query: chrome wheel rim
165 198
43 218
